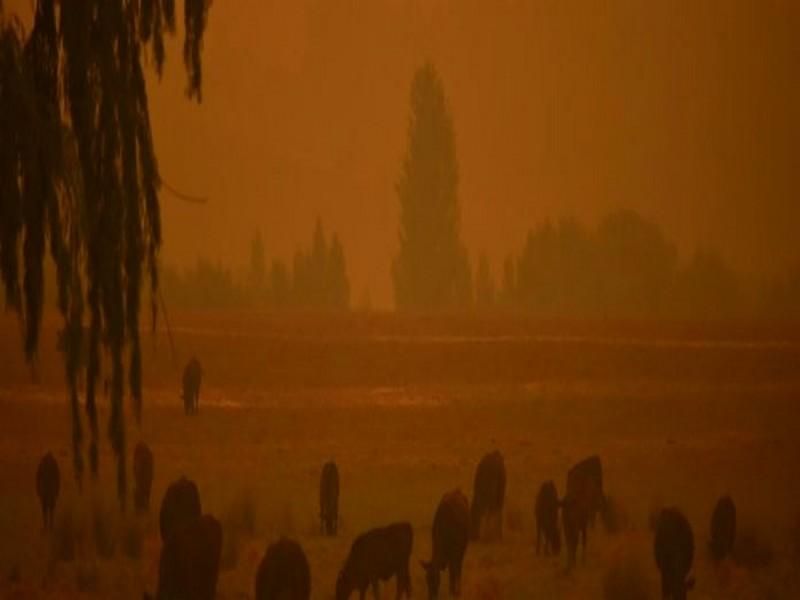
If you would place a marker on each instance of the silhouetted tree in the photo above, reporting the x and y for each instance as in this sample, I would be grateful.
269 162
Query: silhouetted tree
431 270
484 284
337 286
509 292
636 263
78 172
279 289
258 270
706 287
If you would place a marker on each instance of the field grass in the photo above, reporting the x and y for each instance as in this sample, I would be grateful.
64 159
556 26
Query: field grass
679 414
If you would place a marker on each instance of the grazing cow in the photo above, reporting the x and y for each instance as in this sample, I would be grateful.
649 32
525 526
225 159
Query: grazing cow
723 528
192 375
48 482
488 495
143 476
283 573
547 519
329 499
583 499
378 554
586 478
451 525
674 552
189 562
180 505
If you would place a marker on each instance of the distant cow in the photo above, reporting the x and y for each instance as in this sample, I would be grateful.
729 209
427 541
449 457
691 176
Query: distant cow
547 519
586 478
192 375
181 504
723 528
674 552
283 573
189 563
583 499
488 495
48 482
329 499
379 554
451 525
143 476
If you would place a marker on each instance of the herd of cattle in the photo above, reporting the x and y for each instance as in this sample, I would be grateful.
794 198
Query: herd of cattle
192 541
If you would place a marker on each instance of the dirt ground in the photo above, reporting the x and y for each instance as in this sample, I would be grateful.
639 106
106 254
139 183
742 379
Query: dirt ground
406 407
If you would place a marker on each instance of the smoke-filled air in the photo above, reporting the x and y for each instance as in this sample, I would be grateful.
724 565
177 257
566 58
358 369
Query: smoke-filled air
310 299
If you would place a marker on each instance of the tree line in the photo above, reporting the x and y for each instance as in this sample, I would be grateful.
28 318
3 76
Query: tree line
315 279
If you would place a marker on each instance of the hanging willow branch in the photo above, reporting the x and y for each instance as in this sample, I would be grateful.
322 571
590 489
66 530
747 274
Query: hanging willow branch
78 174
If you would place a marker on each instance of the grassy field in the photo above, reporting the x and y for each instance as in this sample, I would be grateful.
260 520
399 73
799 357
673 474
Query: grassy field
679 414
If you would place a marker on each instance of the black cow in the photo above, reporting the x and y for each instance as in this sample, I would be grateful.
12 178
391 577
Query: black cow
674 552
329 499
181 504
583 499
379 554
547 519
48 482
192 376
189 564
143 476
587 476
283 573
488 495
451 526
723 528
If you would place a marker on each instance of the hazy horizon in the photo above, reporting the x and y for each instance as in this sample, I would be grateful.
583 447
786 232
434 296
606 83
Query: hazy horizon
686 114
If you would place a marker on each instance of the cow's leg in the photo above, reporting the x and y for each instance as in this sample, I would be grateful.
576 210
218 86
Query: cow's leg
376 589
583 543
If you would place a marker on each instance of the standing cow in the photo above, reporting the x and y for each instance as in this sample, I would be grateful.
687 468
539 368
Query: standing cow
584 498
674 552
379 554
723 528
181 503
283 573
451 526
488 495
189 564
48 482
192 376
547 519
143 476
329 499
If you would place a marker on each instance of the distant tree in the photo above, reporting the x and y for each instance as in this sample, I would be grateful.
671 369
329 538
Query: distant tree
78 172
484 284
509 292
636 264
706 287
258 270
336 284
431 270
279 288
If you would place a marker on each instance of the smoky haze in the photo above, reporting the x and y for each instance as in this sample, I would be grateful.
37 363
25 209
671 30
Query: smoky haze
684 112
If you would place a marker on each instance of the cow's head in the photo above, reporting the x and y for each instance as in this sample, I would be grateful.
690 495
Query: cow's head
432 578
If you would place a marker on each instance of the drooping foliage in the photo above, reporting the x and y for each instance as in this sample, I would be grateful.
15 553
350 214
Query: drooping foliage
78 176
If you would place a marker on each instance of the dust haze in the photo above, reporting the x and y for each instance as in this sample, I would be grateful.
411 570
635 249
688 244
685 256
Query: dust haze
497 300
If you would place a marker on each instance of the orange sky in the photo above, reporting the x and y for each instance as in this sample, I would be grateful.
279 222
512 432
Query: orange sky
686 111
